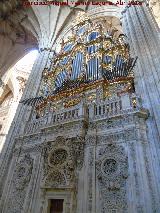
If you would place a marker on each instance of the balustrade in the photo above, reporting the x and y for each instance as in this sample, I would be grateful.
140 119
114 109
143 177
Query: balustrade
35 125
54 118
109 108
65 116
115 107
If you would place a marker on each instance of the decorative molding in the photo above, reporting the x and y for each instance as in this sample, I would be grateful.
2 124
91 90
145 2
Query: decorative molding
112 172
21 178
62 158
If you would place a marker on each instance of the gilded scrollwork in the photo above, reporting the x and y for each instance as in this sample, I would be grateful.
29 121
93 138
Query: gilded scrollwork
93 58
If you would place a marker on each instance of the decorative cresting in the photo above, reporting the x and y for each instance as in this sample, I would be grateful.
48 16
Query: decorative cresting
112 171
62 158
92 56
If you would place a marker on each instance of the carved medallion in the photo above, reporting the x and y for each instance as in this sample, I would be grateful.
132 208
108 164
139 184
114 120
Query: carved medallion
23 172
57 157
61 159
21 180
110 166
112 171
55 178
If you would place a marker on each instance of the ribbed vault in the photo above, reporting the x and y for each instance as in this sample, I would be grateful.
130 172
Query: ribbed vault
19 32
24 28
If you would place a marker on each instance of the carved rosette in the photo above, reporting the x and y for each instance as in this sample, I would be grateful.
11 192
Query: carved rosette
112 171
62 158
21 180
23 172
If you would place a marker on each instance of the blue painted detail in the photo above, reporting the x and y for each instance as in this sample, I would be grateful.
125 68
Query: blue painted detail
68 47
93 36
93 69
60 79
77 65
64 61
81 31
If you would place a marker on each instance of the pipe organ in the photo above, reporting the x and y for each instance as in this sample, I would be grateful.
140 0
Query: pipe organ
84 146
92 56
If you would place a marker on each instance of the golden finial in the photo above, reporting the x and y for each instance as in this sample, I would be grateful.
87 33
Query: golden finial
80 18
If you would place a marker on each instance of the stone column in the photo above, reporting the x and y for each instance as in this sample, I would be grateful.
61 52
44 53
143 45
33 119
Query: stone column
139 26
145 43
22 116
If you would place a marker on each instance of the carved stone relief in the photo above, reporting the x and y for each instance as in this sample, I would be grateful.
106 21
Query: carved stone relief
62 158
21 179
112 171
90 179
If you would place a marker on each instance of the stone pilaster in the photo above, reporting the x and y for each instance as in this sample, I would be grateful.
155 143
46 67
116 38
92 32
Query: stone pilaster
22 115
144 40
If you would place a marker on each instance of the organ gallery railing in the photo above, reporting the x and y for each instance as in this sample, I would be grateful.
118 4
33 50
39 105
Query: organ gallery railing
92 112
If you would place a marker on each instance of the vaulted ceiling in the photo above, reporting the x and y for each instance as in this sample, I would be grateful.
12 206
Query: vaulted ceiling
18 32
24 28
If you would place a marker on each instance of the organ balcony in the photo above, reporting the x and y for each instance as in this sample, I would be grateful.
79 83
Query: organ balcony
90 78
108 109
